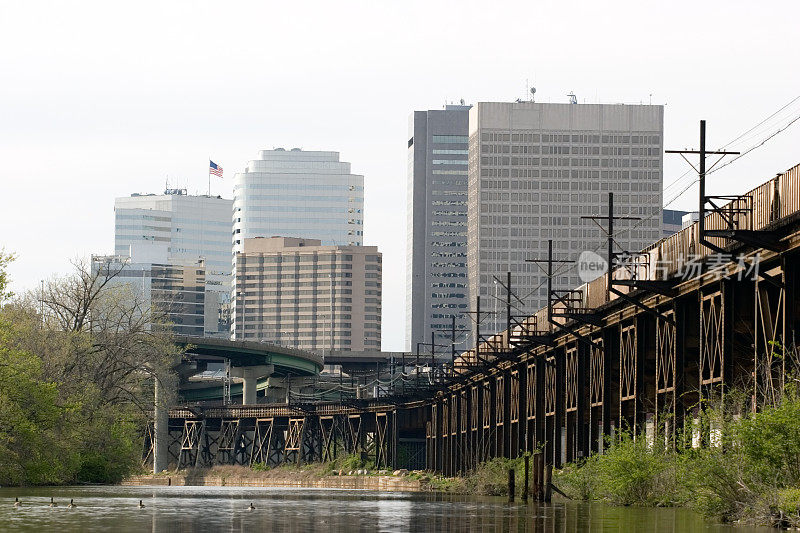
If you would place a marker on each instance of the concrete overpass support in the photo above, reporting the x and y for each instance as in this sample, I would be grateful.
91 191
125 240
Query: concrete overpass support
250 376
160 430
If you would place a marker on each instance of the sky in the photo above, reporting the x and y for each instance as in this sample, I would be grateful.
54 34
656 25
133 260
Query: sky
103 99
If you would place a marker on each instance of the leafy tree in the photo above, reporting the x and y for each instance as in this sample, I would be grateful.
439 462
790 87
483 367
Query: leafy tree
77 364
5 259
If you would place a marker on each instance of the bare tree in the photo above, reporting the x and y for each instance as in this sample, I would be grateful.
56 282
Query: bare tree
100 331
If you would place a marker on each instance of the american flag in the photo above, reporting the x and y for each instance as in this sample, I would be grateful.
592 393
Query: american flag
215 169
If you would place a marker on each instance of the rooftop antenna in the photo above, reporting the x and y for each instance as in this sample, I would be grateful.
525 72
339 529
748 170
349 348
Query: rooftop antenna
533 94
572 98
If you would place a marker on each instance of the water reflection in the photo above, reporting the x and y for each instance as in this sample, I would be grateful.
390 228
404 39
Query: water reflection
169 509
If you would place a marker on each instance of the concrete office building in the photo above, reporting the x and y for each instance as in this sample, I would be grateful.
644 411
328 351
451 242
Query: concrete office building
173 288
436 249
297 193
535 169
299 293
189 228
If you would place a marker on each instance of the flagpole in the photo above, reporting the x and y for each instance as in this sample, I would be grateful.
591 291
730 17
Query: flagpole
209 175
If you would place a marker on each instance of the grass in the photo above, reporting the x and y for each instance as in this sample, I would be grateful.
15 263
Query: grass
488 479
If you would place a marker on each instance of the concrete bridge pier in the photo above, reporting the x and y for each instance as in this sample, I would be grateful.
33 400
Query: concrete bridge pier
160 429
250 376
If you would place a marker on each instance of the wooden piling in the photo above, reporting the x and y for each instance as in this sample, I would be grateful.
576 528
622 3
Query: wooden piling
548 478
511 485
525 486
537 477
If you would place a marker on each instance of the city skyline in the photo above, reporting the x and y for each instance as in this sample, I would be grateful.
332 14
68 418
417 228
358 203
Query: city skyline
160 106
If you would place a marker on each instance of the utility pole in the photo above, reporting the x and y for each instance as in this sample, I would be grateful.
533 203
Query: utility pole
549 273
701 172
609 218
478 318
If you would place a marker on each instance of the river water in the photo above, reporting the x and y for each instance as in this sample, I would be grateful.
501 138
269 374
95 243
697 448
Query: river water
177 509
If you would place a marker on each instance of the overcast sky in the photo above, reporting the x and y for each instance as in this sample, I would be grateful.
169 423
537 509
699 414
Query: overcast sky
99 101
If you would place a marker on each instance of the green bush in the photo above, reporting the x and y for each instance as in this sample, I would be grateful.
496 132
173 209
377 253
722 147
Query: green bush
628 473
752 473
580 481
770 441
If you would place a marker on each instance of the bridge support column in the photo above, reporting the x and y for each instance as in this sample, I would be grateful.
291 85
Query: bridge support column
160 429
250 376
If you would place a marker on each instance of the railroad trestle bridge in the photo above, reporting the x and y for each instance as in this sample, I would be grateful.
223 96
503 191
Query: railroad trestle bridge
639 349
277 434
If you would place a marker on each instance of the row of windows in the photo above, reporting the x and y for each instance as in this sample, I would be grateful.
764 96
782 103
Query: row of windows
449 233
447 295
299 301
448 265
447 254
305 186
292 267
293 209
450 152
447 223
437 213
295 275
196 221
252 312
269 332
319 288
567 150
567 161
565 173
649 183
455 183
142 227
445 244
449 162
287 296
303 198
450 139
443 315
447 202
452 172
152 218
448 193
143 237
641 138
295 258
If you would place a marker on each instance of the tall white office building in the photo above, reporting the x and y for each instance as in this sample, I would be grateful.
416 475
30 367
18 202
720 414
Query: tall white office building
535 169
190 228
298 193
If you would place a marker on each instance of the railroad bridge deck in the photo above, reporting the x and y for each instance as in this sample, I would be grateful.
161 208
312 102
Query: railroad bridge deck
679 324
712 307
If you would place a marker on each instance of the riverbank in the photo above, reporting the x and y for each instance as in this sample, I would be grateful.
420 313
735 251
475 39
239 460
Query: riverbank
488 479
728 464
284 476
